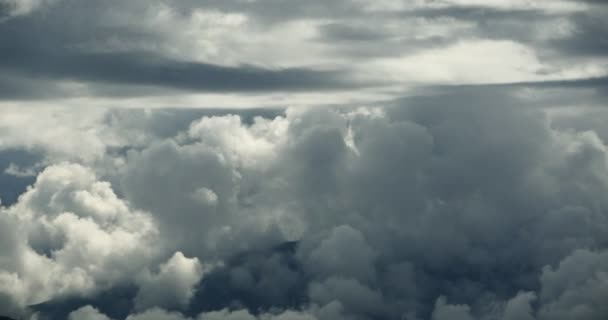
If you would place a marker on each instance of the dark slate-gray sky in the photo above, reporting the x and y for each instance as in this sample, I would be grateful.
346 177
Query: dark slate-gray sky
267 52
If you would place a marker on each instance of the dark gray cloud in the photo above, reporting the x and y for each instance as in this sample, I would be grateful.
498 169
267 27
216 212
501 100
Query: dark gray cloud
150 69
341 32
597 2
5 9
116 303
583 92
477 13
276 12
15 86
599 83
103 45
587 38
593 120
51 44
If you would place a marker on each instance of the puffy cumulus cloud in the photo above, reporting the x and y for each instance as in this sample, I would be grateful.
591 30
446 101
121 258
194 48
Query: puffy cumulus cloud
356 297
247 146
244 315
200 185
343 252
520 307
87 313
210 172
70 234
576 288
172 286
476 210
445 311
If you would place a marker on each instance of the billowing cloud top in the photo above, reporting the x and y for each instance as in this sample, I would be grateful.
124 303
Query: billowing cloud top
364 160
417 211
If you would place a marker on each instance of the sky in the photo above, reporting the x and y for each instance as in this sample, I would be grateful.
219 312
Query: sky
303 160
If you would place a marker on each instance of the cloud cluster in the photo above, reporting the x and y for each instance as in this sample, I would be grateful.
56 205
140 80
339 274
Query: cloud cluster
70 234
466 179
425 211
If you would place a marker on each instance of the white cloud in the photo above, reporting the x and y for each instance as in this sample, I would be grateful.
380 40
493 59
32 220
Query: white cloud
249 146
87 313
60 134
157 314
480 61
16 171
172 286
74 237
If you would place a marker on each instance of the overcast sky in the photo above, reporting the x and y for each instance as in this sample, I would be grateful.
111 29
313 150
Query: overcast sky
304 160
239 53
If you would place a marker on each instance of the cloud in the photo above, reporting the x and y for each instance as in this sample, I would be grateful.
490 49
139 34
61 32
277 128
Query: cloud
14 170
160 314
68 62
576 287
451 161
480 209
172 287
587 28
22 7
228 315
282 52
344 252
74 237
21 131
445 311
354 296
520 307
140 68
157 314
87 313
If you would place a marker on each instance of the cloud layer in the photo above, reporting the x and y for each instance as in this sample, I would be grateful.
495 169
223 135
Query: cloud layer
418 211
266 52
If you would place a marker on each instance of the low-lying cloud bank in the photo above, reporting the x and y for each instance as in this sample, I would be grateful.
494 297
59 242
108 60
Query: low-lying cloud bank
419 212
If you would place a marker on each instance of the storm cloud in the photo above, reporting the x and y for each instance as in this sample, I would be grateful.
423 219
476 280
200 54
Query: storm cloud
278 53
318 160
